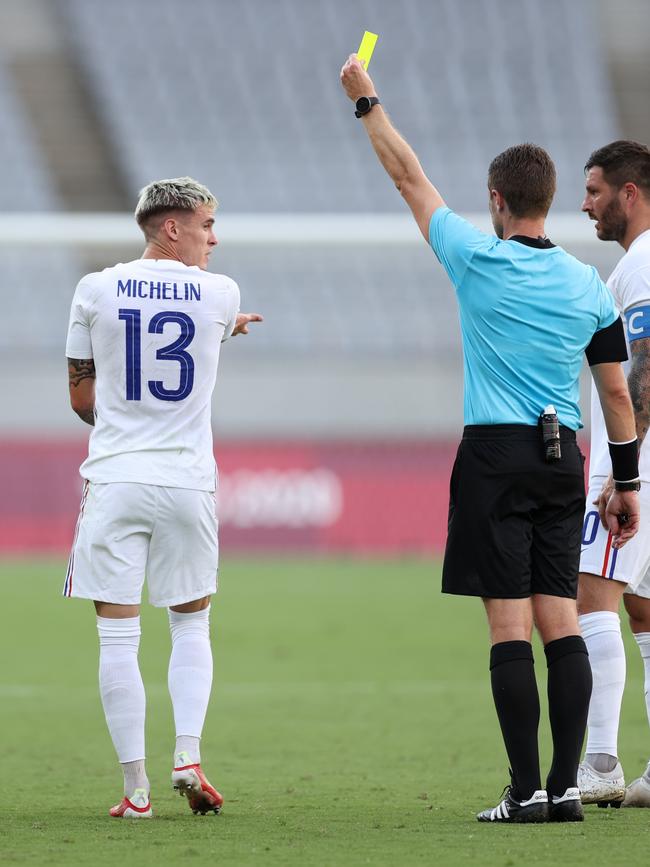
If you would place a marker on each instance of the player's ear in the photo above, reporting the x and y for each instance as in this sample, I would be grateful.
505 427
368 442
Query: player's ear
170 228
631 192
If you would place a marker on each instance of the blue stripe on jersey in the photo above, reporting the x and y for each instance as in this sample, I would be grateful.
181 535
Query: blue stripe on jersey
613 564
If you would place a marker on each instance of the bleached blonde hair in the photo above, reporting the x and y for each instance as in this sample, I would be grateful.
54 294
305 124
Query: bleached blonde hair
171 194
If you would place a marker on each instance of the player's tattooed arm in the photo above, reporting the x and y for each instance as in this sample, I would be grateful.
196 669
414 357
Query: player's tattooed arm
639 384
81 382
87 415
80 369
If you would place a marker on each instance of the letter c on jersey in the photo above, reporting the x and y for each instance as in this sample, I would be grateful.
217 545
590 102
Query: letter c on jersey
638 322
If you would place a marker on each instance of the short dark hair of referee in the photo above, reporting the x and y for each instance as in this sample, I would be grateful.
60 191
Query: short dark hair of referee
528 313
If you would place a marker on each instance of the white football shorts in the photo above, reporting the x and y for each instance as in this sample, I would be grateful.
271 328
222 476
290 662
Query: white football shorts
127 532
629 564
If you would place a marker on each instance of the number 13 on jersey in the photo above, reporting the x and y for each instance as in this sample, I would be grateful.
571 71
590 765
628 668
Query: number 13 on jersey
172 352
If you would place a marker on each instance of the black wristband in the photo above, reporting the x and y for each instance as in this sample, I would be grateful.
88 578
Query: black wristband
625 461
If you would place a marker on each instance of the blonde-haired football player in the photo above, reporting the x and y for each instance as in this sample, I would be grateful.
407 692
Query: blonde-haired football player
143 348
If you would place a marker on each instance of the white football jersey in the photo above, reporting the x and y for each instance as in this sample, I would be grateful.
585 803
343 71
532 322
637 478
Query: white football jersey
629 283
154 328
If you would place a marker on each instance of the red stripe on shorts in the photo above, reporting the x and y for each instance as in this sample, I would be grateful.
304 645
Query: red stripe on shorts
608 548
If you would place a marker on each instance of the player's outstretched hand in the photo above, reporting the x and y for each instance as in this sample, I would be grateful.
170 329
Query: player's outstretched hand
355 80
623 515
243 321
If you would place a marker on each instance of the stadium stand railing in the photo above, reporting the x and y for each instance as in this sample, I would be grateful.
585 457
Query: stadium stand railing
348 286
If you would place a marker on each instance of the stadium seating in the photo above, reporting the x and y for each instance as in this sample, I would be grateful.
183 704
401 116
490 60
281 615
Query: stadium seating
345 300
26 184
36 277
245 95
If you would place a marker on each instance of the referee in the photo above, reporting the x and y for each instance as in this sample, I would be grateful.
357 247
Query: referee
528 312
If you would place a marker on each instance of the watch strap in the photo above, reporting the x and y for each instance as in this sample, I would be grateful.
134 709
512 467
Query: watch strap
628 486
373 100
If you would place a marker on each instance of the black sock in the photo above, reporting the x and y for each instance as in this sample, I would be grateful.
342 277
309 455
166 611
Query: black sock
569 691
517 702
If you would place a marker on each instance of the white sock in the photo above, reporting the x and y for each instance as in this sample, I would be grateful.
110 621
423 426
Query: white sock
187 751
602 634
190 680
122 692
135 777
643 640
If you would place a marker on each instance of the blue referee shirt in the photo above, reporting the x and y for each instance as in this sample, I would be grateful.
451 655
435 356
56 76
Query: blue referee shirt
527 315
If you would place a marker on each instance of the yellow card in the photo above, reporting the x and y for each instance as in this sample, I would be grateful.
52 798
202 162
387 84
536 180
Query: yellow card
366 48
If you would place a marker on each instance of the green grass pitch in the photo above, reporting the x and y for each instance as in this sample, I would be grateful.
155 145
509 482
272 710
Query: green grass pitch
351 723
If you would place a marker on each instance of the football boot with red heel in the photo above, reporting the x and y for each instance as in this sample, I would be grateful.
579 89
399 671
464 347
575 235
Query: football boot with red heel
138 806
203 798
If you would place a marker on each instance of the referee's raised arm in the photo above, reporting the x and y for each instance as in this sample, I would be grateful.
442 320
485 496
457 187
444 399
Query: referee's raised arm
395 154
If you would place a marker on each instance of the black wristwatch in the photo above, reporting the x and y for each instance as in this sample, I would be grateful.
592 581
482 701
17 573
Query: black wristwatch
628 486
364 104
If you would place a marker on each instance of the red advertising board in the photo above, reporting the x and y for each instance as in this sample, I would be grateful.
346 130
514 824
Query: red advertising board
328 497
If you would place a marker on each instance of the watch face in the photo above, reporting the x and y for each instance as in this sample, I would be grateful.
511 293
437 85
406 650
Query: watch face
363 104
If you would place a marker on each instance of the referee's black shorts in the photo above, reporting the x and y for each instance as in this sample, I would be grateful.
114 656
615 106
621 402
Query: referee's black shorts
515 521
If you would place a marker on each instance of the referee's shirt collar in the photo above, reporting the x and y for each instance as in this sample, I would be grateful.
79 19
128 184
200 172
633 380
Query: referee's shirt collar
539 242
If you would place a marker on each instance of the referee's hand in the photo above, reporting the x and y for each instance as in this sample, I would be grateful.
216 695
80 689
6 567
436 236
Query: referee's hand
355 80
622 516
